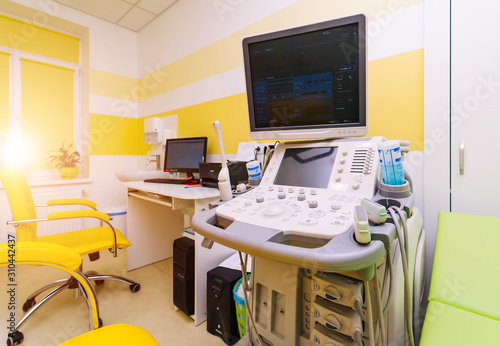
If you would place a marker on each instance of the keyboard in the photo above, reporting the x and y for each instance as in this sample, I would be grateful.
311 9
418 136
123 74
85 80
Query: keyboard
172 181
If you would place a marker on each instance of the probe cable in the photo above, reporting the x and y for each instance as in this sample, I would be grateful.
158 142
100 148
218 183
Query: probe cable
391 276
358 306
370 312
380 310
407 249
408 322
246 289
359 338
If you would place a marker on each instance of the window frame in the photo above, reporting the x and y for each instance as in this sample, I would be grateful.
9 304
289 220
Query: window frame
15 99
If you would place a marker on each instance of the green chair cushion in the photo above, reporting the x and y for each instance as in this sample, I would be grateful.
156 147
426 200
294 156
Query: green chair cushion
447 325
466 268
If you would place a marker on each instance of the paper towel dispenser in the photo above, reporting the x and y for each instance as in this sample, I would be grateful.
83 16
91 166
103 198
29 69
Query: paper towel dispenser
152 132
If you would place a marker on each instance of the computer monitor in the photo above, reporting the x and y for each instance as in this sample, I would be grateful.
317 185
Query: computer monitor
308 82
183 155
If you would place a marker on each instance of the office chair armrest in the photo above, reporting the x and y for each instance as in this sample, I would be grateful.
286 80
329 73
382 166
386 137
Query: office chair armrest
86 213
78 214
69 201
51 255
75 214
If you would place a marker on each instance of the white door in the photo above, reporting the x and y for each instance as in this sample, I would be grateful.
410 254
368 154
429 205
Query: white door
475 107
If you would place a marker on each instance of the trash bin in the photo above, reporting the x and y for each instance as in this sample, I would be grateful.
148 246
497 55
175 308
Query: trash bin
119 215
241 310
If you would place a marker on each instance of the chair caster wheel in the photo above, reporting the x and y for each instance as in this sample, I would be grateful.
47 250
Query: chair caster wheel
29 304
135 287
15 338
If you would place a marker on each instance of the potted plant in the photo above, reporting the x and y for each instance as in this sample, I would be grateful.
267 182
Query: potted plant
66 160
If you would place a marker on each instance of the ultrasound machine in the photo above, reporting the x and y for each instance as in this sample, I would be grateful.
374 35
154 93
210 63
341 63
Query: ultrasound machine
337 253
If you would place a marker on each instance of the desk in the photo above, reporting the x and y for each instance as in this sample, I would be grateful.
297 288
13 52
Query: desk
156 215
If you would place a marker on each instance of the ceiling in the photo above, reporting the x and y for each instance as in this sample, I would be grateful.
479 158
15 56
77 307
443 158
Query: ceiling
131 14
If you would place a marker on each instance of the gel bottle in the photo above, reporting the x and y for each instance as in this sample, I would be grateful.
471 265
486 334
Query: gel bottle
391 165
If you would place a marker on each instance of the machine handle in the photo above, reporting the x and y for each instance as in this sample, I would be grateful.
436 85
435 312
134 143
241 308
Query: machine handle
338 254
461 156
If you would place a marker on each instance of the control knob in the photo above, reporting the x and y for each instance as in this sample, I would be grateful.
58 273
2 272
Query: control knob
336 206
313 204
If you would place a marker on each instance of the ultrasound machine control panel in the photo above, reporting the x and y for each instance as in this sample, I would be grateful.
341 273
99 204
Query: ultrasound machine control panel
310 189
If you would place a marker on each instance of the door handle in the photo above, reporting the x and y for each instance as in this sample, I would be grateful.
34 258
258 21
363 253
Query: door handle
461 163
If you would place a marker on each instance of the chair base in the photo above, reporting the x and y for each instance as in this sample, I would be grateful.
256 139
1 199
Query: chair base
15 338
99 279
30 306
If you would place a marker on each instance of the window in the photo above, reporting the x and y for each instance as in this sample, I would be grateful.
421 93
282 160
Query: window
4 92
40 100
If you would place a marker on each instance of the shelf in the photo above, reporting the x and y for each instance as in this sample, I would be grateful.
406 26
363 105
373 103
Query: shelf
151 197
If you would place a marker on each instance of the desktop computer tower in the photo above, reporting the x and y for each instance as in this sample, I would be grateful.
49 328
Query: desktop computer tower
184 275
221 310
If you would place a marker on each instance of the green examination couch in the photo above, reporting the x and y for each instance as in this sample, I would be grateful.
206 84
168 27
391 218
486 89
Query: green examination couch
464 297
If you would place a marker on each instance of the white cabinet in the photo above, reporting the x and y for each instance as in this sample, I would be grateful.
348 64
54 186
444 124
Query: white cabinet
461 105
461 102
475 107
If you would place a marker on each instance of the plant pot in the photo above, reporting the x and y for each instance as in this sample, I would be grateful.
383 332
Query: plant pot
68 172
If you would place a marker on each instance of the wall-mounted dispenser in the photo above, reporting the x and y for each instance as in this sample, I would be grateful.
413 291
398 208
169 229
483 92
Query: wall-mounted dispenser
152 132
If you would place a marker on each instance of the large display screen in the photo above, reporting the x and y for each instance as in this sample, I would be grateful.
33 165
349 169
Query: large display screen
306 167
306 79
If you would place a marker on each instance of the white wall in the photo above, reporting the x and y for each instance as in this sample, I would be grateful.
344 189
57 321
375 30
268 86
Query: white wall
190 25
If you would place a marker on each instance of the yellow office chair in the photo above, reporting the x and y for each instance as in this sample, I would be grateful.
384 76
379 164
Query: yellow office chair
85 242
37 253
116 334
52 255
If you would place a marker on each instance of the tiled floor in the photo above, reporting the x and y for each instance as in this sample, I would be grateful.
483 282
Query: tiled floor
64 317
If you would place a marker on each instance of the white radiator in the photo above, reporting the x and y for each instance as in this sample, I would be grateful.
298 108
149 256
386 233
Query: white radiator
5 215
47 227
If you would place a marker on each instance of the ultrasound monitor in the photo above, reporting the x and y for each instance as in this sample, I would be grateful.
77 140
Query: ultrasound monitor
183 155
308 82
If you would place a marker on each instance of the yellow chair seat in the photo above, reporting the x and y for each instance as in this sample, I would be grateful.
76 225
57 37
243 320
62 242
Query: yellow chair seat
116 334
39 253
88 240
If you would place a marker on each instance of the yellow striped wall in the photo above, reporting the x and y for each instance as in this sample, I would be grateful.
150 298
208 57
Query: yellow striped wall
226 54
28 37
116 135
395 81
396 98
